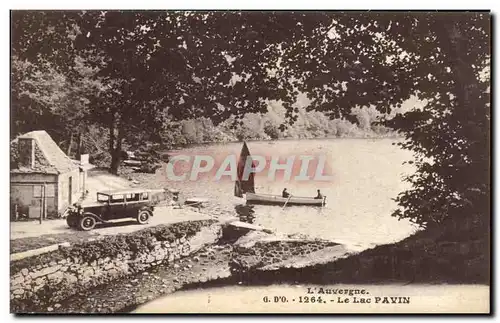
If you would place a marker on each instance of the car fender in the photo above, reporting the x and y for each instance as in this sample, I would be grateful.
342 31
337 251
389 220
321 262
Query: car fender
147 208
93 215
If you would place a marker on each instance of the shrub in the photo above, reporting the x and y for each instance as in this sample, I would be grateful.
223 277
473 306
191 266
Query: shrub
271 130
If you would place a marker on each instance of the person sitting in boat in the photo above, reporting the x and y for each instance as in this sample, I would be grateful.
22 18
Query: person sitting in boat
285 194
319 196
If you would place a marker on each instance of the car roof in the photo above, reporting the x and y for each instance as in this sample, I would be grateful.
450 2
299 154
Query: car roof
124 191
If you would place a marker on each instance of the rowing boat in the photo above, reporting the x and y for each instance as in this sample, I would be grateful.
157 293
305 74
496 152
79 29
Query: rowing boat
253 198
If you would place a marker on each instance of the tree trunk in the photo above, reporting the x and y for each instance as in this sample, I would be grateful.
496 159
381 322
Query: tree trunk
116 152
115 162
79 146
466 83
68 152
112 135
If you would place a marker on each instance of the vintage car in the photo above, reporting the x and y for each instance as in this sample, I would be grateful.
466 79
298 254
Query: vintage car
112 205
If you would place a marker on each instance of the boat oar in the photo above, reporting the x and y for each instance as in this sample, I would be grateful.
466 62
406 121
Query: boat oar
288 199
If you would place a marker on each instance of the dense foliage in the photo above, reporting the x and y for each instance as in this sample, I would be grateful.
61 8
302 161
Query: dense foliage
132 72
443 58
309 124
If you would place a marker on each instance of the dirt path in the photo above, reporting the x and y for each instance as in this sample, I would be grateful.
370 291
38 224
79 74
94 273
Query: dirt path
26 236
162 215
99 180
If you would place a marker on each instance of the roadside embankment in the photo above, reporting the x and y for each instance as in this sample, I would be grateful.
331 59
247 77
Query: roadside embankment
51 277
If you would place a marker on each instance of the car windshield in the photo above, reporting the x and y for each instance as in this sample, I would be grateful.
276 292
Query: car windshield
102 197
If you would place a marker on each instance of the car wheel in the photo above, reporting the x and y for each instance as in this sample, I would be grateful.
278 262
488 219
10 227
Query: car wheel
87 223
71 221
143 217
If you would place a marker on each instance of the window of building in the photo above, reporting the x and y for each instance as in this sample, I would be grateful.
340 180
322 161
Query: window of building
50 190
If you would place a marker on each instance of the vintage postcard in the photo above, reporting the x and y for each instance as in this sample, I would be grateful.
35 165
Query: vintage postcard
250 161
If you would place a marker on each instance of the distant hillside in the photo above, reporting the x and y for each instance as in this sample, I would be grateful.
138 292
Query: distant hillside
310 124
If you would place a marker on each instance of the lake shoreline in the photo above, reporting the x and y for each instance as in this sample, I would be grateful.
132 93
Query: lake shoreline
428 256
213 267
323 275
276 141
361 269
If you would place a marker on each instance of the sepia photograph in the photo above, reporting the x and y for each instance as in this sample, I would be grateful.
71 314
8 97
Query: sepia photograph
250 161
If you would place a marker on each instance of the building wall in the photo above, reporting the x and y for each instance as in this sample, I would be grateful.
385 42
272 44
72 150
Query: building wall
26 193
63 188
33 178
83 181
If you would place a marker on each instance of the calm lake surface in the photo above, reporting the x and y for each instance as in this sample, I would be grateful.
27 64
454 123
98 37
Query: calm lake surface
366 174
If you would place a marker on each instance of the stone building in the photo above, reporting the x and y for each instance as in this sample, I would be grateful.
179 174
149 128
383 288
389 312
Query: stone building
43 180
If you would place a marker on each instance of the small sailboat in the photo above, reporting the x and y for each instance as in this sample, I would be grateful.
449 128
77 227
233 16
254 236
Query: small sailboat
242 186
246 187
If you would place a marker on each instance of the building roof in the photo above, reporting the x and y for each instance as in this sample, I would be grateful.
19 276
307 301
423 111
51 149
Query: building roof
49 158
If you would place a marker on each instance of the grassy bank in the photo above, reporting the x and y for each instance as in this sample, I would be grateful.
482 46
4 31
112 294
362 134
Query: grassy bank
30 243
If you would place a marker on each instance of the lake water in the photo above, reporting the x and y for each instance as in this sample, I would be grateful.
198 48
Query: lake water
366 174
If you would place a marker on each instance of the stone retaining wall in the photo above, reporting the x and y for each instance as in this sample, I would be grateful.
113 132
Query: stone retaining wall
52 278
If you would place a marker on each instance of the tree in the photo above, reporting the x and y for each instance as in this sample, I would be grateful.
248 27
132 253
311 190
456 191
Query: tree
50 83
42 97
155 62
271 130
151 61
382 59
